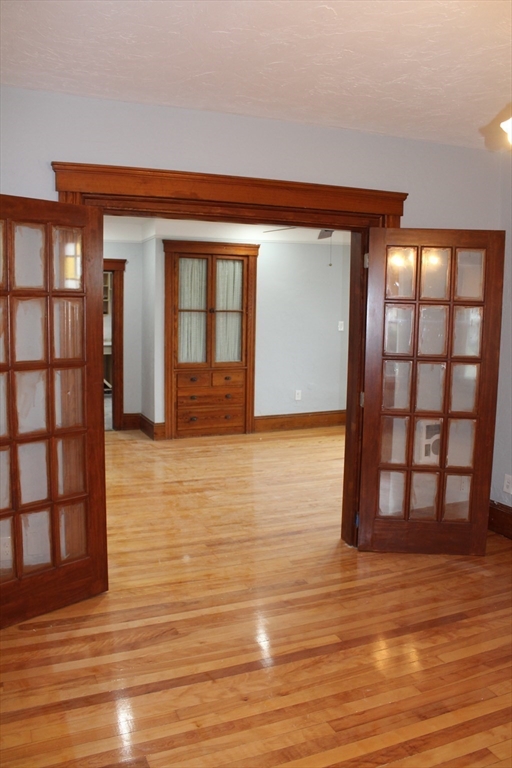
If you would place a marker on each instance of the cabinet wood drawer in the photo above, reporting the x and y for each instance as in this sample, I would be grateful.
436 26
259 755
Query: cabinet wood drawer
228 378
192 419
199 379
219 398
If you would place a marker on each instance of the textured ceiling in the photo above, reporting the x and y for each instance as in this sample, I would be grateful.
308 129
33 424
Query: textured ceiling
430 69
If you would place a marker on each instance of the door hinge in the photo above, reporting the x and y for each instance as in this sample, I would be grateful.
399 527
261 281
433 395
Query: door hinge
361 399
357 520
366 260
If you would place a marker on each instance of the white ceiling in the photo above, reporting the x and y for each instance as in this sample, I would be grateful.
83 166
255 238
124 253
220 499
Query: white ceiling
438 70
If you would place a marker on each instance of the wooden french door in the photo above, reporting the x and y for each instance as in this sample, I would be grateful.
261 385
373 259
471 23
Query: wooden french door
431 369
52 478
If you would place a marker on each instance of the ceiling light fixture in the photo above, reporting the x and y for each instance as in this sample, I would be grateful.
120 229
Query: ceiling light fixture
507 127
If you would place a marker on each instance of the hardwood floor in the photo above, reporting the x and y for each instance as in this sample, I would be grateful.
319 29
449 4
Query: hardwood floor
240 631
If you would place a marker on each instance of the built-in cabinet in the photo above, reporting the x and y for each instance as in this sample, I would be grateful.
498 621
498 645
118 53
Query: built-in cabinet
210 313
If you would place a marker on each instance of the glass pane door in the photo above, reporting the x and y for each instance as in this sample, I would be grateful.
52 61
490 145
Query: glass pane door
427 405
51 513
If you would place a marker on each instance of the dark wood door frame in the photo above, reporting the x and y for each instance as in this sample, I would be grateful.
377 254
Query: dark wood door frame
179 195
117 267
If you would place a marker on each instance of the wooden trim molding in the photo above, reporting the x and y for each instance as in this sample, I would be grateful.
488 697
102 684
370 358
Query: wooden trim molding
117 267
152 430
212 197
500 519
130 421
299 421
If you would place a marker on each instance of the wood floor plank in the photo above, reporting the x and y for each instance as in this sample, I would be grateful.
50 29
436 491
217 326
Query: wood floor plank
239 631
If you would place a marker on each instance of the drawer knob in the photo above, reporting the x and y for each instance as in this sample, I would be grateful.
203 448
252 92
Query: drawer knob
227 378
228 397
193 418
227 416
193 378
193 397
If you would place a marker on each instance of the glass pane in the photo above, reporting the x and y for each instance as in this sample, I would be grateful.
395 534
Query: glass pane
427 441
68 335
192 283
4 426
394 439
29 329
31 400
29 256
73 540
470 275
192 337
37 550
461 440
430 386
435 271
67 258
463 388
391 494
401 272
70 465
69 397
456 497
229 284
228 337
5 478
6 550
33 471
467 327
396 385
432 331
423 496
3 330
398 329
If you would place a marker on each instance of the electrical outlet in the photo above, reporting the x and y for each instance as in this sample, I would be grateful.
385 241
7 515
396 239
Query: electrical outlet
507 485
341 325
298 394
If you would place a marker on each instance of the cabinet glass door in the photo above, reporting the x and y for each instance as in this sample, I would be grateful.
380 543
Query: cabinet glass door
192 310
434 307
228 311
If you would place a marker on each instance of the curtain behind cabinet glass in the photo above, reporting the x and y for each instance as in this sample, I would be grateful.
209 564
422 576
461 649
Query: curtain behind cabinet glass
192 310
228 317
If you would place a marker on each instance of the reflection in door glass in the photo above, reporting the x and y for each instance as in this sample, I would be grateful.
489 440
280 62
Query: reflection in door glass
391 494
432 335
456 498
36 541
6 550
398 328
424 495
461 439
435 271
427 441
401 272
470 275
430 386
396 385
463 388
394 439
467 326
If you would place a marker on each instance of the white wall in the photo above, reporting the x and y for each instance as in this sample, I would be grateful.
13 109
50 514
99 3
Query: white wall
132 320
448 186
300 300
152 362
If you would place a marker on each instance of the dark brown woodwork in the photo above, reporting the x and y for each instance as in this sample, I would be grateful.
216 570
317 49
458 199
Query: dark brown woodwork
500 519
287 421
31 593
117 267
355 385
435 535
152 430
177 194
209 398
